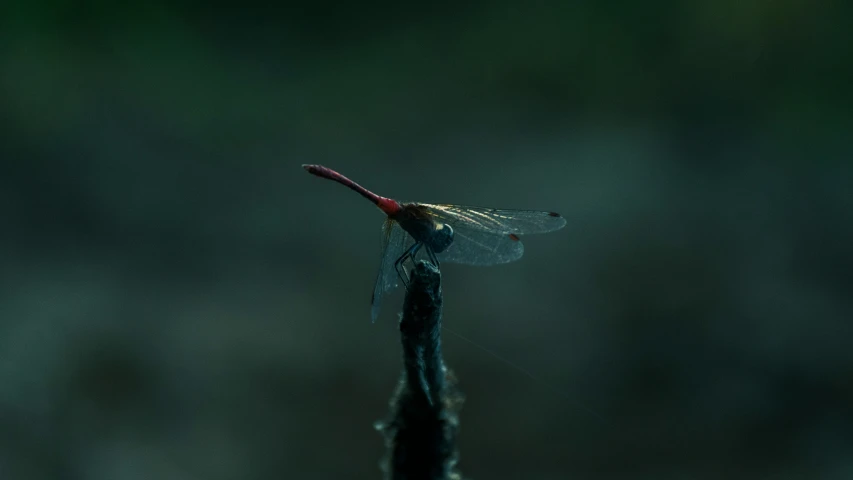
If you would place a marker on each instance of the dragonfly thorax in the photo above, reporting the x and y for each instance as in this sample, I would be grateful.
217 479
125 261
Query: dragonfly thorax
425 229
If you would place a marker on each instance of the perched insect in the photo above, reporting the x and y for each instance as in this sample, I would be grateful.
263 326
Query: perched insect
448 233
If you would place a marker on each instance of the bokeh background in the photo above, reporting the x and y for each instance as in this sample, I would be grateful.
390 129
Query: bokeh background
180 300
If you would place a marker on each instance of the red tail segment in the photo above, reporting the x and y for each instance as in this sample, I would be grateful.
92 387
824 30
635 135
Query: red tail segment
387 205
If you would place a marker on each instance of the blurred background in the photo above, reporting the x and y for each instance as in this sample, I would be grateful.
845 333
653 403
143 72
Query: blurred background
180 300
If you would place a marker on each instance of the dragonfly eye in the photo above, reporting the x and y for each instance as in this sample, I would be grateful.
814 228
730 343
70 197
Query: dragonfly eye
442 237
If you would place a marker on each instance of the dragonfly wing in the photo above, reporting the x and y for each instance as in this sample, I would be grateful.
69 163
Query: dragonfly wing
476 247
394 240
520 222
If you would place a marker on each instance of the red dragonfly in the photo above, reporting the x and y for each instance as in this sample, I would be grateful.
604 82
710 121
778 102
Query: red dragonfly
449 233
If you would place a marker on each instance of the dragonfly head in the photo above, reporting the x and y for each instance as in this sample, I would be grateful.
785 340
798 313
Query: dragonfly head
442 237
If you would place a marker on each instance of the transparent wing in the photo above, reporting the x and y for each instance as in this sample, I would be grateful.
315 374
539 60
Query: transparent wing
496 221
476 247
394 242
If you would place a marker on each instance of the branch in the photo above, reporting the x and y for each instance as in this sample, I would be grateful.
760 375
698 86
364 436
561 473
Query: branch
421 432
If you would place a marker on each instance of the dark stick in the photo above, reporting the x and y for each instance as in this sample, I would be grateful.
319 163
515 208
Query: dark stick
421 431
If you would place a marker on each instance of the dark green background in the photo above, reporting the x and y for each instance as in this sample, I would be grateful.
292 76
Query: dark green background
180 300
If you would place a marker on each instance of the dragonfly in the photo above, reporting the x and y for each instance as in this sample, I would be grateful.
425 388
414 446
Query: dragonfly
448 233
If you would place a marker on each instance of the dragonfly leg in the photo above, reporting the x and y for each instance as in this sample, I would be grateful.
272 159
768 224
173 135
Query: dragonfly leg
415 248
400 268
401 272
433 258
